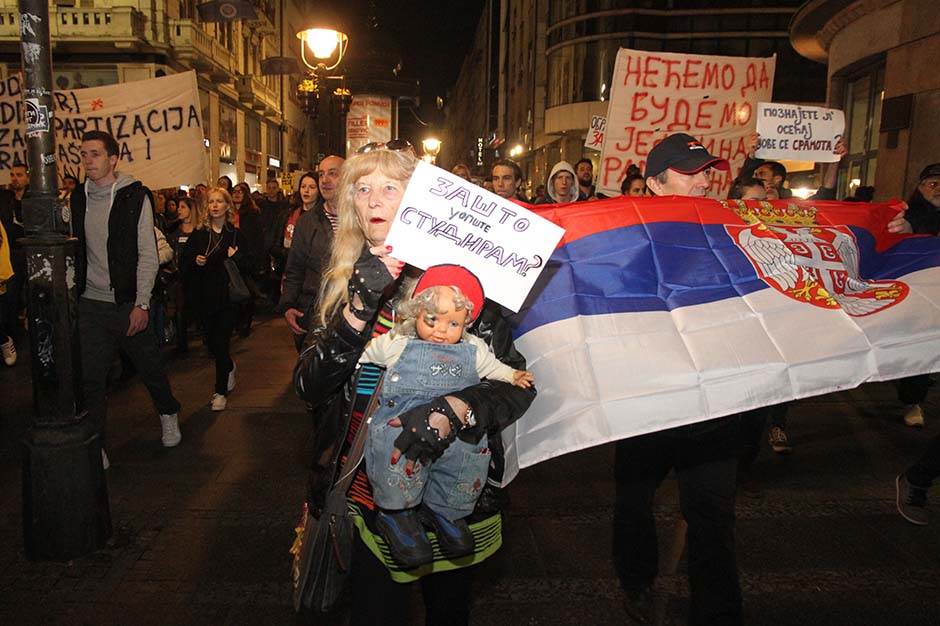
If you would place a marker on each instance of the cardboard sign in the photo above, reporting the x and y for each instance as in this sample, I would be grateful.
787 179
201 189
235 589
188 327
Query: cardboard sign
656 94
594 139
802 133
156 122
445 219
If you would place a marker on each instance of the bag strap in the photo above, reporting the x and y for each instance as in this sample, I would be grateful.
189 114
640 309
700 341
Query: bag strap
347 472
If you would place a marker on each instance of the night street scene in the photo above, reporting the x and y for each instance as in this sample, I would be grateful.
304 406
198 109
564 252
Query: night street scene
542 312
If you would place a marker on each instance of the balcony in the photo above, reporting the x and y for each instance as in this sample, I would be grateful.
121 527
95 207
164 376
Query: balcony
123 27
199 50
254 93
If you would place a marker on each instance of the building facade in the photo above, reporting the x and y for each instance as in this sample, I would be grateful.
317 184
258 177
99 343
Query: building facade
554 60
253 123
879 56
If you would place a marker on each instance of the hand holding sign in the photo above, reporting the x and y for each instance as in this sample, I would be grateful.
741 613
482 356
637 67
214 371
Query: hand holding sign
444 219
804 133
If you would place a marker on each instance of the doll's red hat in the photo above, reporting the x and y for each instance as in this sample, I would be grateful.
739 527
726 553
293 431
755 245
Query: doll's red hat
448 275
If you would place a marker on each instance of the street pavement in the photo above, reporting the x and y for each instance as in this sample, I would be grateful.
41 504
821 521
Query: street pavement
202 531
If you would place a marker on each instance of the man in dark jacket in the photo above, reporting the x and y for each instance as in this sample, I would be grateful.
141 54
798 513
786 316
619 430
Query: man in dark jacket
923 217
704 456
115 271
310 251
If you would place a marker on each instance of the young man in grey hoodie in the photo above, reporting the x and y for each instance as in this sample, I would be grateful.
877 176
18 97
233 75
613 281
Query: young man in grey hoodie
561 186
115 270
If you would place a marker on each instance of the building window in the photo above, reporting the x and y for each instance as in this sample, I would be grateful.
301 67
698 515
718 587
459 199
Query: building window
274 141
862 105
252 133
228 133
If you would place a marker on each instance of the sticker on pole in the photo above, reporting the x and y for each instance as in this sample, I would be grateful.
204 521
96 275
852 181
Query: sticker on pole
37 116
444 219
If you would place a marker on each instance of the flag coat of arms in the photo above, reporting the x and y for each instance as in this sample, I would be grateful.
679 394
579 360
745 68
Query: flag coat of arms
659 312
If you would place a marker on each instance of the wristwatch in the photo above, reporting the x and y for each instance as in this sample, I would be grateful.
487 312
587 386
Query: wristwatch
143 307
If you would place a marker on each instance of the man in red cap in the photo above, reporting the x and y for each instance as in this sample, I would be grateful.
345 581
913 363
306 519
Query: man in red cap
427 355
703 455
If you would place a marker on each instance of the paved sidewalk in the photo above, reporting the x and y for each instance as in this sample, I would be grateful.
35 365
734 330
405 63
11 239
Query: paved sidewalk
202 530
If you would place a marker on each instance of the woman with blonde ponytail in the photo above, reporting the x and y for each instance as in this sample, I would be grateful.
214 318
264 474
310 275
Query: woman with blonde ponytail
362 284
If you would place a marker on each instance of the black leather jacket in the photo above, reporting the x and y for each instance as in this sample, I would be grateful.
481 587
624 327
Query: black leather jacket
324 377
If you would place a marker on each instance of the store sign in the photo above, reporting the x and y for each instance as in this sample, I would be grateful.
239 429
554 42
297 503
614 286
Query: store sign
369 120
657 94
157 124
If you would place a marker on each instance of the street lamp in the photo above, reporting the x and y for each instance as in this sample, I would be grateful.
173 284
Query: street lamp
431 147
516 151
322 43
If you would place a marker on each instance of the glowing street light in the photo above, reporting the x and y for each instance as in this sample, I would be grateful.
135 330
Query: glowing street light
323 43
516 151
431 146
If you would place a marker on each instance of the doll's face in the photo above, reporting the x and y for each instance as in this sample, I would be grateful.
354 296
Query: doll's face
445 326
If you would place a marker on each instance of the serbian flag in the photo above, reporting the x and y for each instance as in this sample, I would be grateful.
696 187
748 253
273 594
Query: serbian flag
659 312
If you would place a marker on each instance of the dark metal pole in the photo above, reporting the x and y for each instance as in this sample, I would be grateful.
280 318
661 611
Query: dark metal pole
65 497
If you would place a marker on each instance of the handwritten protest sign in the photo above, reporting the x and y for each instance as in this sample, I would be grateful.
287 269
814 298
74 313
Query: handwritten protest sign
595 134
445 219
656 94
803 133
156 123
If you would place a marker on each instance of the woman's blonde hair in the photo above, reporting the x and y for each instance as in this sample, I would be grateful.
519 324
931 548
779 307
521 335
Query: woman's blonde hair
350 236
407 311
229 206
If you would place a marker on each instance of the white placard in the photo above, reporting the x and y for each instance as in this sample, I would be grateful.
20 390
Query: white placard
656 94
802 133
594 139
445 219
157 124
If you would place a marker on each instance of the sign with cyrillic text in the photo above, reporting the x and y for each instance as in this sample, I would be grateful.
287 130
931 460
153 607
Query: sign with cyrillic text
443 218
594 139
156 122
803 133
656 94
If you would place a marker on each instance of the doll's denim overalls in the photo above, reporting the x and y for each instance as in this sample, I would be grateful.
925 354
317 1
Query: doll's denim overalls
451 484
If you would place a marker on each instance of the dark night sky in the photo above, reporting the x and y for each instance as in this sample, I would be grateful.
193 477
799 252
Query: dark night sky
433 38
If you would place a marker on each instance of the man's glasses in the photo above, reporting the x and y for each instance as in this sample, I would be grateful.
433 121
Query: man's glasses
395 145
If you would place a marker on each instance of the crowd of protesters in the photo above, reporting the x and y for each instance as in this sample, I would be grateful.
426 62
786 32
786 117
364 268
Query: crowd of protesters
198 261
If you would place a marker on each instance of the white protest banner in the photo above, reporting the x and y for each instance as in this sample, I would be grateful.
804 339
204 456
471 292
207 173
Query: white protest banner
156 123
802 133
656 94
445 219
369 119
594 139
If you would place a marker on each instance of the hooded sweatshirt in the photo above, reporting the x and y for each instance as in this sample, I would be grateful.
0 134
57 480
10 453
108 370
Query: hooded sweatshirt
562 166
98 282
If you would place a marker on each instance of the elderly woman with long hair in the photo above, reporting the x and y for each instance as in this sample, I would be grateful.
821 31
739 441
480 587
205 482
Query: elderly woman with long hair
203 266
360 286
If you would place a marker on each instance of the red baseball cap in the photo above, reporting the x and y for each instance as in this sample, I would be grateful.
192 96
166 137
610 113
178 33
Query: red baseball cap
449 275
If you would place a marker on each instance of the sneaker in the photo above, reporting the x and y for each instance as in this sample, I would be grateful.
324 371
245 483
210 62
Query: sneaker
639 605
453 536
778 441
911 501
170 423
231 377
914 417
404 534
9 352
218 402
105 463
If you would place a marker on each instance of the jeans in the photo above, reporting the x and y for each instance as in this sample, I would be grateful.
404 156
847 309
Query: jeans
705 463
103 327
913 389
927 468
218 329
